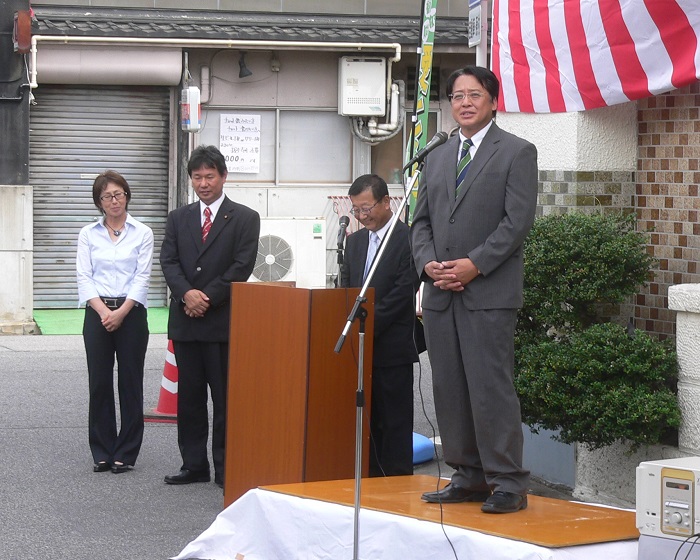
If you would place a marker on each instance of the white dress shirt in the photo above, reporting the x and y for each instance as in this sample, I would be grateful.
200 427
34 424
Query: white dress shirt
120 268
384 229
214 207
476 141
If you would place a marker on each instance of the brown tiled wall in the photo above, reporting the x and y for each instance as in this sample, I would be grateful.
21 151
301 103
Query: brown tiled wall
664 194
667 199
560 192
585 191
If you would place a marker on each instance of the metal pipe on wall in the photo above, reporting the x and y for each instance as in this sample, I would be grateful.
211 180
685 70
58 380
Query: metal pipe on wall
204 43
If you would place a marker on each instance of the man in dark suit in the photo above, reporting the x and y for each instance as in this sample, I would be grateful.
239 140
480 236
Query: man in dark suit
207 245
394 283
474 209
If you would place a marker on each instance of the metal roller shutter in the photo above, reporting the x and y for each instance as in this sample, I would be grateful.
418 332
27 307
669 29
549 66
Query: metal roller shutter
76 133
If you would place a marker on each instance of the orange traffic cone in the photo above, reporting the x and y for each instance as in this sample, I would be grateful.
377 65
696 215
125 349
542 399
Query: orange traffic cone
166 411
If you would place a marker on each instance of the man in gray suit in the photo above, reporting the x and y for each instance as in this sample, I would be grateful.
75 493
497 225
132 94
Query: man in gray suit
476 204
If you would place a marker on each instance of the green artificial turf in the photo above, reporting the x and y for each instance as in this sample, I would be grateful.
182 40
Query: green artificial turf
70 321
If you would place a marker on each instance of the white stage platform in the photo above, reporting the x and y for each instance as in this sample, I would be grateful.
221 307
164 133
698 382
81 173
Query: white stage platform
267 525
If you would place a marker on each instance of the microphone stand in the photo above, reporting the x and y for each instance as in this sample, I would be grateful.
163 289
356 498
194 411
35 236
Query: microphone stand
340 261
359 312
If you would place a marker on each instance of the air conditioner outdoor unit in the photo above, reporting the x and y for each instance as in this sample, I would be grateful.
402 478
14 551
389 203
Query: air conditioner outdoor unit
292 250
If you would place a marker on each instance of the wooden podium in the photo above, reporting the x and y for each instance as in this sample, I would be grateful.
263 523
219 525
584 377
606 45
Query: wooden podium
291 399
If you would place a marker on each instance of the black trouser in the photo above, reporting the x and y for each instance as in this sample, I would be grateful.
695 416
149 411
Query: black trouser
391 421
129 343
201 364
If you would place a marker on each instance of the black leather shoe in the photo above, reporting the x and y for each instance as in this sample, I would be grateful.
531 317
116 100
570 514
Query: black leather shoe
186 476
504 502
453 494
102 466
119 468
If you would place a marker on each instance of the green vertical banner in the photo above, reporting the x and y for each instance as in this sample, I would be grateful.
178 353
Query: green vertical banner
419 133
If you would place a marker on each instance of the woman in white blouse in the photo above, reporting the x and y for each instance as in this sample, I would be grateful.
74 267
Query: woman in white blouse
114 268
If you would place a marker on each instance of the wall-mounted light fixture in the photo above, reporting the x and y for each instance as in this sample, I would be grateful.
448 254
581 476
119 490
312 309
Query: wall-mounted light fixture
244 71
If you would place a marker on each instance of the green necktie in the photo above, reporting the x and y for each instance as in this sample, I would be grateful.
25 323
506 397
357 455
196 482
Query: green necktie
465 159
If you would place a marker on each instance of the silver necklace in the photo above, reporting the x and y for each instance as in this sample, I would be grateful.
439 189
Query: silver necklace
116 232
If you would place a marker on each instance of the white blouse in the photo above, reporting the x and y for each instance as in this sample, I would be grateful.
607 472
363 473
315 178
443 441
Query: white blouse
114 269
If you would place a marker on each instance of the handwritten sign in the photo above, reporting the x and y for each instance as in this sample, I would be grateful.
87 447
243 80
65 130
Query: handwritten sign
474 24
239 142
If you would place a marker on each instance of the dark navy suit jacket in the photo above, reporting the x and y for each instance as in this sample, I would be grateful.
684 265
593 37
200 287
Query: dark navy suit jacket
394 282
227 256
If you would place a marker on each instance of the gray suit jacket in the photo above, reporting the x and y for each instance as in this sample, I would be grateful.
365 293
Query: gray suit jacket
487 223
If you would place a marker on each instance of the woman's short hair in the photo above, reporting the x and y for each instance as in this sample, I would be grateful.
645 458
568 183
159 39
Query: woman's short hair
104 179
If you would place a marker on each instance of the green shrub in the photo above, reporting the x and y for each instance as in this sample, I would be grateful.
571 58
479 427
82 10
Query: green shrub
594 383
599 386
574 262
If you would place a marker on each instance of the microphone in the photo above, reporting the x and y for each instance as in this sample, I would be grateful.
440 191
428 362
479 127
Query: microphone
343 222
438 140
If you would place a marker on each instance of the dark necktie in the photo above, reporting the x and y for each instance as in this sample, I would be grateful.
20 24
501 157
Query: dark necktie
465 159
207 224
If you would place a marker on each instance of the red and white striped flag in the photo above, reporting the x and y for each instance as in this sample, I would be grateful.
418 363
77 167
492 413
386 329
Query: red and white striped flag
573 55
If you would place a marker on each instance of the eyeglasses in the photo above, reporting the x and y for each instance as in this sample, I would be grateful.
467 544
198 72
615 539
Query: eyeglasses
474 96
364 211
109 197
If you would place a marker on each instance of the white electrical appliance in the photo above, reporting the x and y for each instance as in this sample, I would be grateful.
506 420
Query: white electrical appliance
292 250
667 498
362 89
191 109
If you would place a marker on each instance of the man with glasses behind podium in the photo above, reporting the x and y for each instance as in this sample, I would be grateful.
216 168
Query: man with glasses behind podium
395 282
114 270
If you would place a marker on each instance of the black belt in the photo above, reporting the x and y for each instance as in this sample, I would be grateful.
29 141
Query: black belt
113 302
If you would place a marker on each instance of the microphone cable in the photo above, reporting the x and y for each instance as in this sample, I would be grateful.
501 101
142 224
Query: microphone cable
434 437
365 416
696 536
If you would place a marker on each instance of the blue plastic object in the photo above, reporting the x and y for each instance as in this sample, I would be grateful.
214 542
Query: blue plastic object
423 449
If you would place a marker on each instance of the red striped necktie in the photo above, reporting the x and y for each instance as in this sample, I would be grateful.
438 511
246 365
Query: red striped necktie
207 224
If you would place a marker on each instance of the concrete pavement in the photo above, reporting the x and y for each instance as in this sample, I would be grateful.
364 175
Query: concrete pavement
54 506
